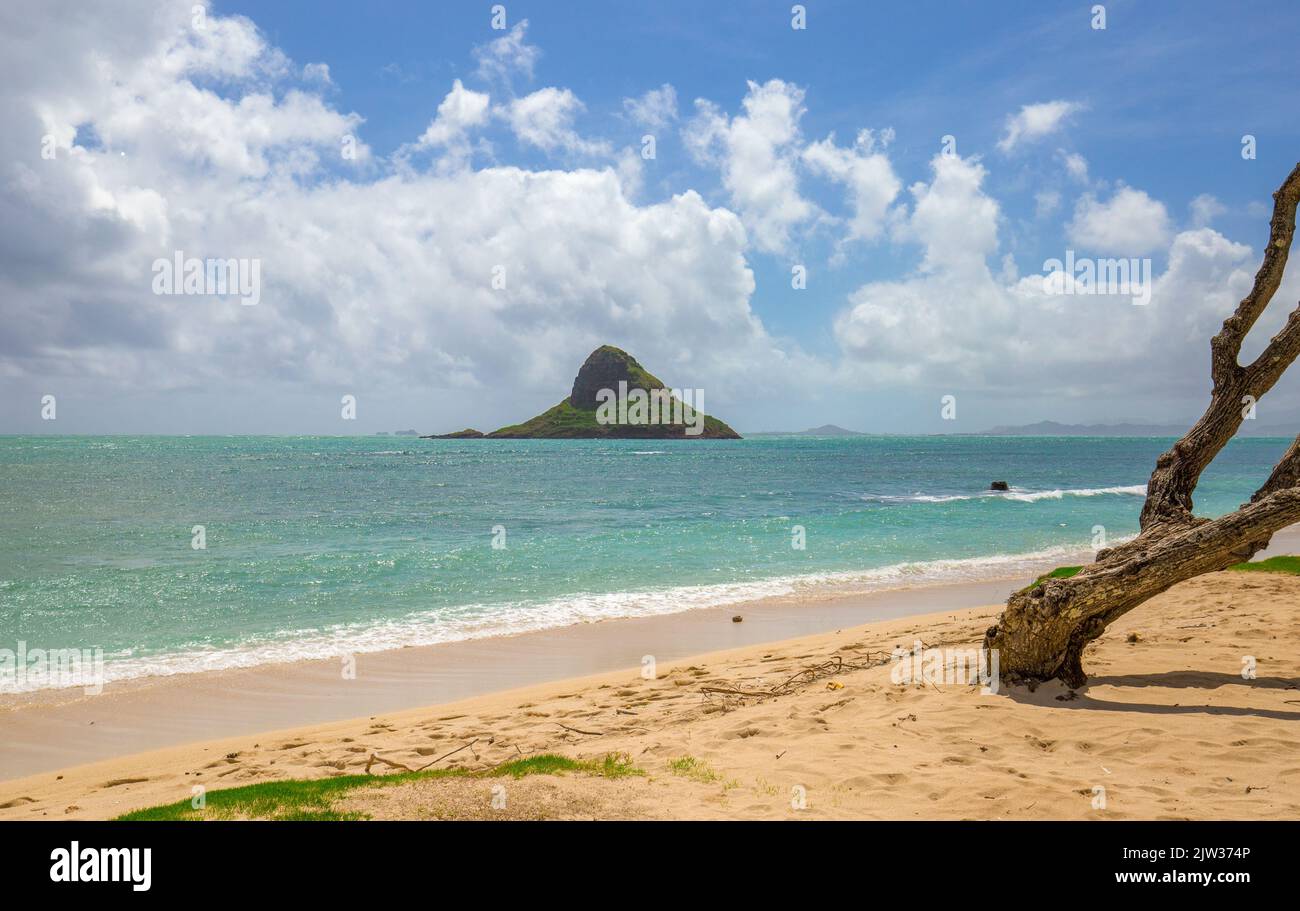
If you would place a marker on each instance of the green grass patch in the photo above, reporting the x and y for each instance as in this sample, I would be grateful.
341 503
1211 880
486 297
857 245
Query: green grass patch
1289 565
690 767
614 765
1061 572
313 799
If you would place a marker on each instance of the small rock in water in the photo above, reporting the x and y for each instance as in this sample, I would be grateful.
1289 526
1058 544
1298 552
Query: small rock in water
737 618
999 485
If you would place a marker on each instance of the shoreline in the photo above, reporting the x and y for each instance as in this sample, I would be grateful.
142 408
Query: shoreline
49 730
1169 729
378 635
56 729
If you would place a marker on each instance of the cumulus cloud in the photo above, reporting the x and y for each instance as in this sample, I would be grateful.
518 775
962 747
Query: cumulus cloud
866 173
1035 121
956 324
1130 223
459 112
214 143
381 276
757 152
545 119
656 109
501 59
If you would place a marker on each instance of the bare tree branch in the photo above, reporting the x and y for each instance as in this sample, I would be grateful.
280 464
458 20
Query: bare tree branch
1043 631
1169 492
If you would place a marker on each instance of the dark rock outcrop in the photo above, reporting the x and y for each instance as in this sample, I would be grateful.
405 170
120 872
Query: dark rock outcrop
605 368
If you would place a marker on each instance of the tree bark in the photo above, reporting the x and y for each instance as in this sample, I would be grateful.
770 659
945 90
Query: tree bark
1043 631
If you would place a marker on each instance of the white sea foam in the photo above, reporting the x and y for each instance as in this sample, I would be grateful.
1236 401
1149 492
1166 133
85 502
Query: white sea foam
480 621
1017 494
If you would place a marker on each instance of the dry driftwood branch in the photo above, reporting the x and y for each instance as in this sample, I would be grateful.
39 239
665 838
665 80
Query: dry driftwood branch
579 731
1043 631
388 762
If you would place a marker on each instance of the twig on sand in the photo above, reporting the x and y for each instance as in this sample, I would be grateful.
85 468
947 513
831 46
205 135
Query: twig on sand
406 768
465 746
579 731
796 681
388 762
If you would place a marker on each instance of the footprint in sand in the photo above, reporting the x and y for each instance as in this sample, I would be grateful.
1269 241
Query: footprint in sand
121 781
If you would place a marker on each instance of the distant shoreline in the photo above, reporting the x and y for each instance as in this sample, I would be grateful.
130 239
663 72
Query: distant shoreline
746 435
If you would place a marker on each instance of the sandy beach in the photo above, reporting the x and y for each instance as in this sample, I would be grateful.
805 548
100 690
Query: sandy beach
815 725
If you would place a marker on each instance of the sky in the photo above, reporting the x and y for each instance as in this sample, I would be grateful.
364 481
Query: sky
448 206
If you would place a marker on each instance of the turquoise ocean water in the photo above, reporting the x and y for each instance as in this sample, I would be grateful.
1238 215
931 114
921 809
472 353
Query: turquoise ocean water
322 545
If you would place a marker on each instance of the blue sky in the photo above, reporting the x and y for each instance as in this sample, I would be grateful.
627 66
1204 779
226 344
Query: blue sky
1143 158
1171 88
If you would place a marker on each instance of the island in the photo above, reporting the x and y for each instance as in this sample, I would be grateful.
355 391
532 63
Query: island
614 397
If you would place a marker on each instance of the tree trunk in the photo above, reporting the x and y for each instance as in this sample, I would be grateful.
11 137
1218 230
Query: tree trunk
1043 631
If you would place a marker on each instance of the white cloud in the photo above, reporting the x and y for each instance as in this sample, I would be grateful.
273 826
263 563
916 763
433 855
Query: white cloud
1035 121
365 278
1204 209
867 173
952 218
317 72
1075 165
1046 202
1130 223
545 119
656 109
502 58
459 113
958 326
379 274
757 152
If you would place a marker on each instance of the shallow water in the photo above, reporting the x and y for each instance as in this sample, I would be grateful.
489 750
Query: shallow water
321 545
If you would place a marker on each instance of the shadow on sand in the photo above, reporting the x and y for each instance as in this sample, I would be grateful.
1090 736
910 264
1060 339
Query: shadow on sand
1057 696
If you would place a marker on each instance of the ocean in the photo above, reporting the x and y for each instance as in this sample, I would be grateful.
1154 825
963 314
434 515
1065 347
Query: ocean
317 546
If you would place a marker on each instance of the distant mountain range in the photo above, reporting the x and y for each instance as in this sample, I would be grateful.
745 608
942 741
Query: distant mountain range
825 430
1056 429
